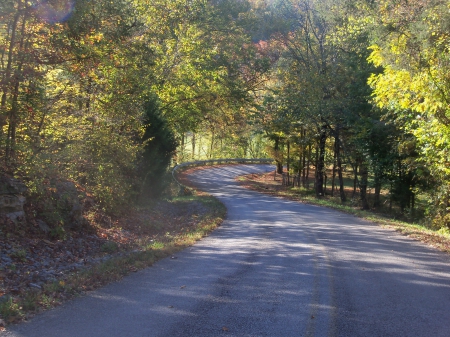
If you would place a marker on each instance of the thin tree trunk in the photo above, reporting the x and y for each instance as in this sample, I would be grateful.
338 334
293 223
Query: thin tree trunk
8 70
212 145
304 166
193 145
300 168
376 197
288 160
355 179
279 164
308 164
300 154
13 117
339 169
321 162
88 96
181 157
363 169
333 177
316 171
400 179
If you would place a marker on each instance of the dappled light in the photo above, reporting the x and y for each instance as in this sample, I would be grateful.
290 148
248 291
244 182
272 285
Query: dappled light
276 268
104 104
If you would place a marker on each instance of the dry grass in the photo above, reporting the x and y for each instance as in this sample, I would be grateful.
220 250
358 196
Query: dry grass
148 235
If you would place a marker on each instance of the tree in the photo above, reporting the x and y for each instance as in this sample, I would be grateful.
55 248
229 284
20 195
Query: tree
321 76
159 147
413 86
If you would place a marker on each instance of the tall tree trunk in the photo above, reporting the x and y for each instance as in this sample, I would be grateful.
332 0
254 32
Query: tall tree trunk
339 170
88 94
8 69
288 160
212 145
304 167
193 145
321 162
364 172
300 154
302 162
13 116
279 164
316 171
333 177
300 167
400 187
308 164
181 154
376 198
355 179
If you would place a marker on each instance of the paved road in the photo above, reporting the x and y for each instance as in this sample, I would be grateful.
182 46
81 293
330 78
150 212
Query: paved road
275 268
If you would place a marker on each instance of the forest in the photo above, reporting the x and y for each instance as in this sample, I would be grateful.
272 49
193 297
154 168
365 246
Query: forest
109 94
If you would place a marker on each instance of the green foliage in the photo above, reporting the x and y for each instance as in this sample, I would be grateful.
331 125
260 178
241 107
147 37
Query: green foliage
10 310
159 147
413 86
74 89
99 94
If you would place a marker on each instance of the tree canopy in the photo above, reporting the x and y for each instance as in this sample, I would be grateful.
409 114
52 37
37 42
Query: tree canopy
107 93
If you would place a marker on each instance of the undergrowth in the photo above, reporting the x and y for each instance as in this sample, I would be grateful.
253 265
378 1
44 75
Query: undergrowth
17 308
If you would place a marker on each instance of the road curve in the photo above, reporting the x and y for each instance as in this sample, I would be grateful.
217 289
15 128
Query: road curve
274 268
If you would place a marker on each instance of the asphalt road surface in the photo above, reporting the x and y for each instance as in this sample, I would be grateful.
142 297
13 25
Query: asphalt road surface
274 268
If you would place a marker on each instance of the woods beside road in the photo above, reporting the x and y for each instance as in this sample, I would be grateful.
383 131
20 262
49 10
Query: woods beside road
99 99
106 96
300 270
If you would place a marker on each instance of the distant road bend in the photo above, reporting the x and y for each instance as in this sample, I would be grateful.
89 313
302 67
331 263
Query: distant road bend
274 268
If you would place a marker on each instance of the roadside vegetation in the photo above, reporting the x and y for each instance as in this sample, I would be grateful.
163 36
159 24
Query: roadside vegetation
417 228
154 230
98 99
